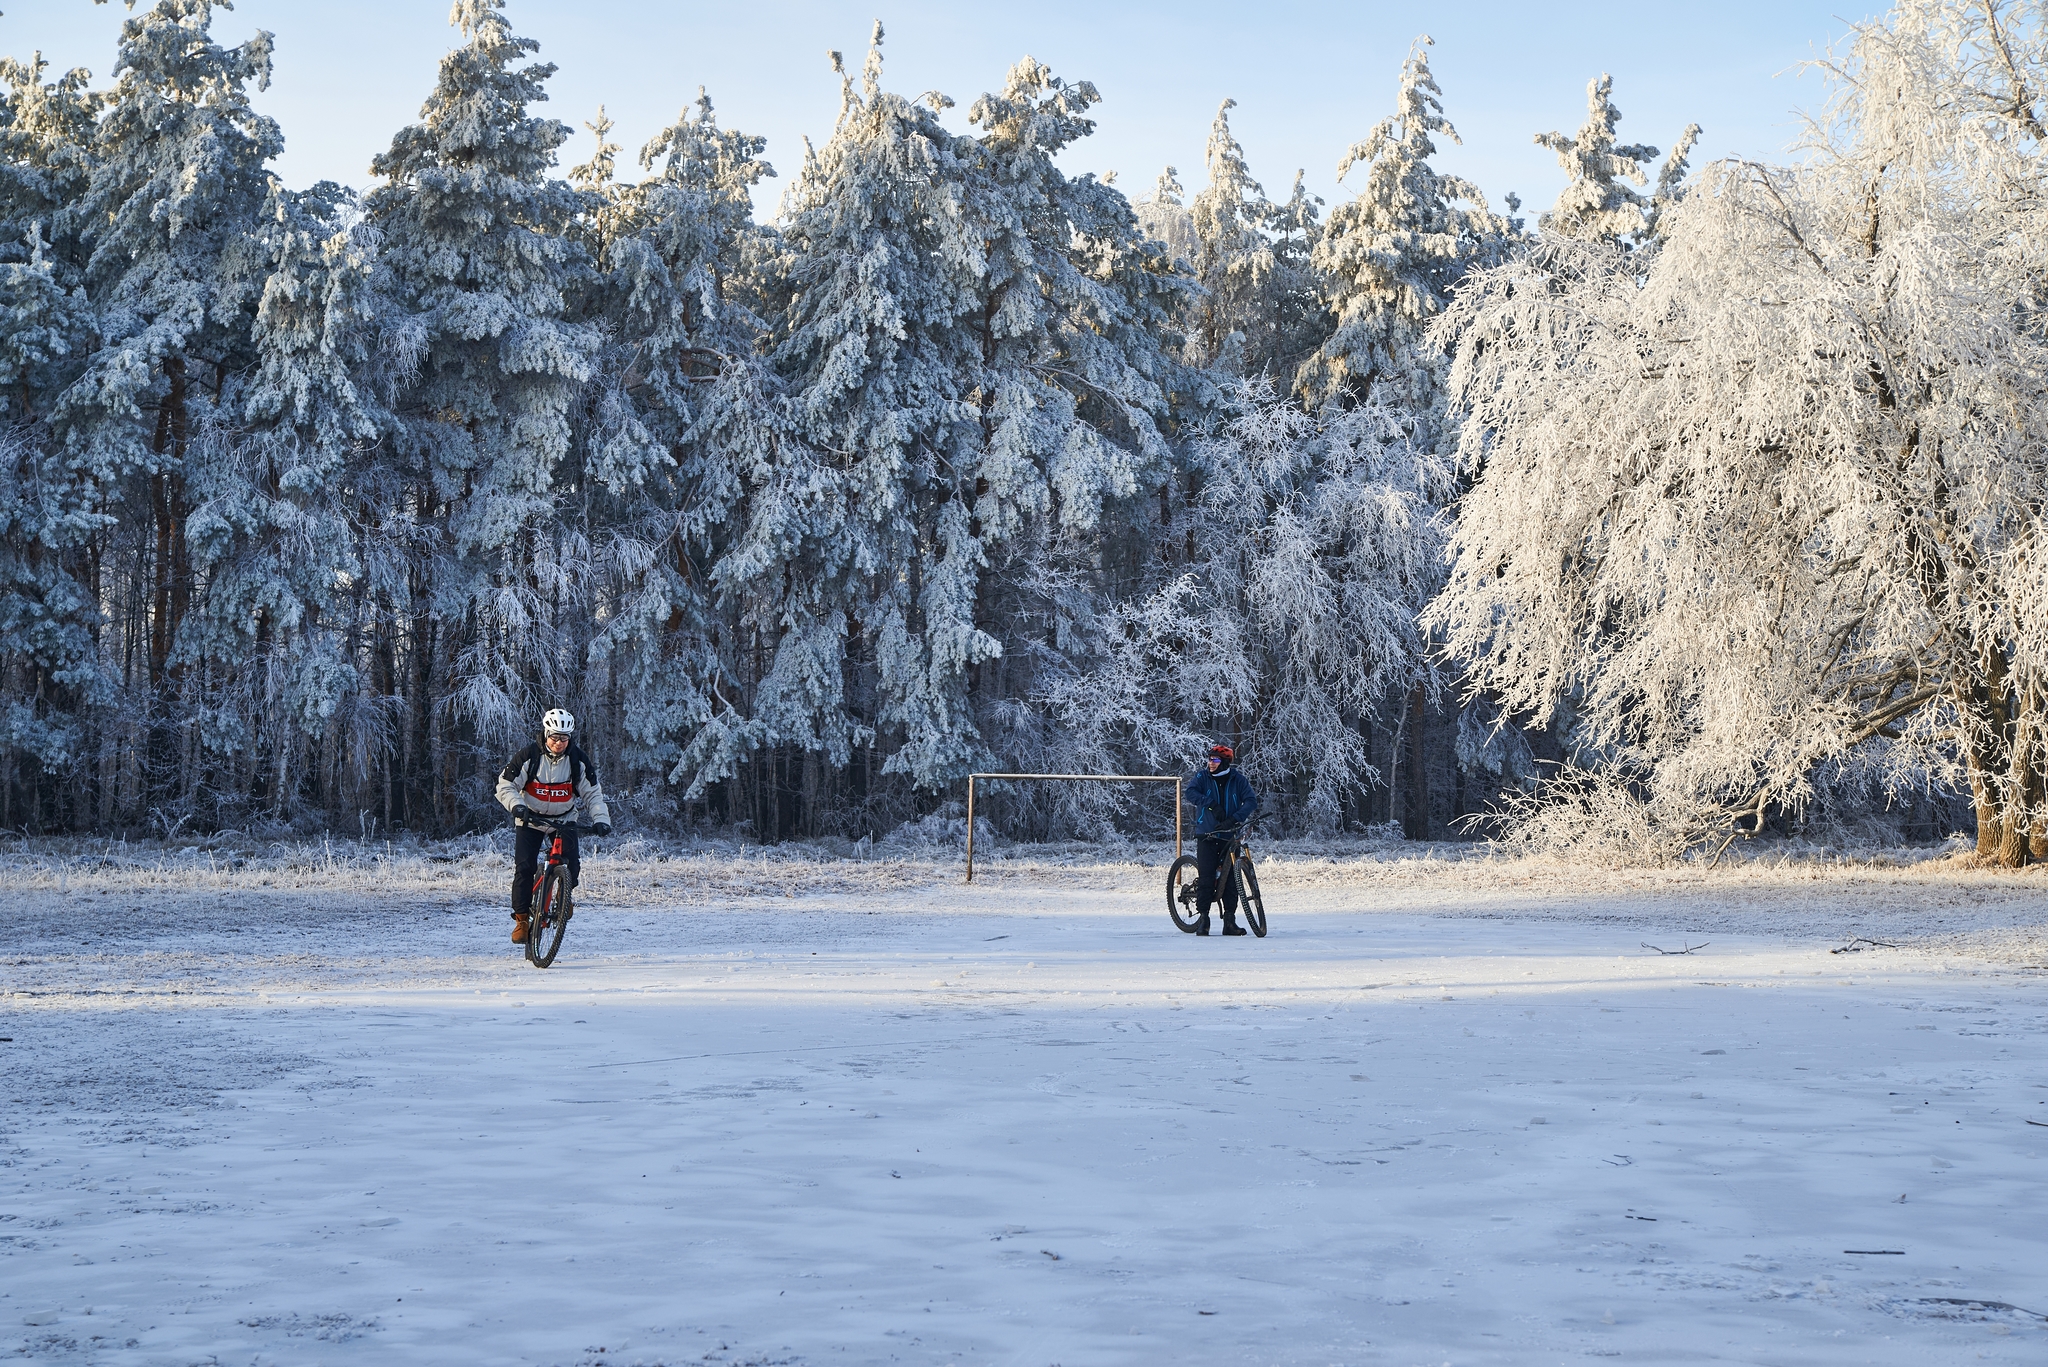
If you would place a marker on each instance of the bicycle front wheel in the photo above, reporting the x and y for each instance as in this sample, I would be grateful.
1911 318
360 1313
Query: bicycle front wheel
533 906
1248 900
1180 892
550 919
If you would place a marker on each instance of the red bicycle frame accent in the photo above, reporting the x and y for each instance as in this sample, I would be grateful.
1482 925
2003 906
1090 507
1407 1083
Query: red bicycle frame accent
554 860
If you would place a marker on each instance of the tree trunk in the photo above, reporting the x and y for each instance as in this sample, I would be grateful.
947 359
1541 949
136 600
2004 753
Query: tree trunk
2018 822
2006 760
1415 811
171 579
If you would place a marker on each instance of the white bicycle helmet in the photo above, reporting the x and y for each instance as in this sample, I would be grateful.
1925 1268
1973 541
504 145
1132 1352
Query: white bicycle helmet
557 721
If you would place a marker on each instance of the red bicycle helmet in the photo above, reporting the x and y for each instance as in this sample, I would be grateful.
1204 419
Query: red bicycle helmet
1223 752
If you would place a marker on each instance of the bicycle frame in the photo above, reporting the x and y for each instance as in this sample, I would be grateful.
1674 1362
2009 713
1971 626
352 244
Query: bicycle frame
553 830
1235 849
1236 836
1226 871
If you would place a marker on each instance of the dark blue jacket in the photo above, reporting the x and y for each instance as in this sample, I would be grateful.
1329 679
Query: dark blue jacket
1220 799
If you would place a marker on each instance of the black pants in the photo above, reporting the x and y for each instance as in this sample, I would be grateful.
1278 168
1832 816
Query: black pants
1209 852
526 847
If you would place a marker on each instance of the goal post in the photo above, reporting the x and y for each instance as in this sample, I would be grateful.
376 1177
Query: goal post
973 779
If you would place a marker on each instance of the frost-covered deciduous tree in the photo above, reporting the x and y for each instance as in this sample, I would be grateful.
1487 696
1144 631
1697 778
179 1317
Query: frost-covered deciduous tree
1320 544
475 237
1603 201
1777 504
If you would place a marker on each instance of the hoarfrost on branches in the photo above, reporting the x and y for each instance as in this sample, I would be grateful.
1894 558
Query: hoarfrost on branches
1778 501
1322 543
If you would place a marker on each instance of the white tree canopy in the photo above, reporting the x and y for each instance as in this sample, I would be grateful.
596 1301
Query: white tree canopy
1777 504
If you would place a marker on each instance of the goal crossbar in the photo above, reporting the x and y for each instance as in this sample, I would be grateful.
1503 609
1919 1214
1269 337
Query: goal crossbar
973 779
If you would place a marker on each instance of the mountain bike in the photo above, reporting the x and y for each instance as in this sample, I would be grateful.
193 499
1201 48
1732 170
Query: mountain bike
1237 864
552 904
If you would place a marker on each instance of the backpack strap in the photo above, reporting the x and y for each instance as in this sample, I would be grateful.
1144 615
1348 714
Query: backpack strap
581 769
525 758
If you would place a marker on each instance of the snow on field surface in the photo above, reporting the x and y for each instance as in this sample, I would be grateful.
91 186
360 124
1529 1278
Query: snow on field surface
307 1106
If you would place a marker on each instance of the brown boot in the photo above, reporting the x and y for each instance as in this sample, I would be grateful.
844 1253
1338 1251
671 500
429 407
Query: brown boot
520 926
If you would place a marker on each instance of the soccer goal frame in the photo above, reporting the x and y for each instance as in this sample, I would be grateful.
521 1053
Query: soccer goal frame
973 779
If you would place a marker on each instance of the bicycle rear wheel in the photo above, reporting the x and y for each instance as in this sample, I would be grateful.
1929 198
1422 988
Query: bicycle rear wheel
1248 901
1180 892
550 919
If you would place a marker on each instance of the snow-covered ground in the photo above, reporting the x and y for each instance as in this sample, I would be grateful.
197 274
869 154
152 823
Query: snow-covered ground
313 1109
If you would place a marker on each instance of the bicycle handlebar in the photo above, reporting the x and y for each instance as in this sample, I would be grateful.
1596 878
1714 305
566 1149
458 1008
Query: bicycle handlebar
549 825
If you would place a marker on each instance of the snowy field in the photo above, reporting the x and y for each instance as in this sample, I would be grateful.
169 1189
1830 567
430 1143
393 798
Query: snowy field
310 1107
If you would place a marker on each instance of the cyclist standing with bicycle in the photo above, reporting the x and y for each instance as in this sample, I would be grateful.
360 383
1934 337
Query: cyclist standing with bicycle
547 781
1223 801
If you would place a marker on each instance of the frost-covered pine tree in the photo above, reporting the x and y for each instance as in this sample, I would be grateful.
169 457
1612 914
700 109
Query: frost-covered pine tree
669 420
1602 202
47 131
276 481
841 519
1393 254
1234 261
50 509
1252 258
171 213
476 238
1077 339
968 346
1769 511
1164 217
1296 319
1390 259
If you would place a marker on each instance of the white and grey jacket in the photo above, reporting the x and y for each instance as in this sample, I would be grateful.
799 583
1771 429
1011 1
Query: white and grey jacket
553 787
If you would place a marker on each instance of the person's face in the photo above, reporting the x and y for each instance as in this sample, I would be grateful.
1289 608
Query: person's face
557 744
1215 763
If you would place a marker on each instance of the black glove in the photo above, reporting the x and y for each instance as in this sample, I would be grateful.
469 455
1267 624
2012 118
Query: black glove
522 812
601 829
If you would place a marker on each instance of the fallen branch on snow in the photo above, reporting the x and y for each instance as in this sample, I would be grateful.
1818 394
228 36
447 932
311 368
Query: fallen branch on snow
1972 1303
1859 944
1689 949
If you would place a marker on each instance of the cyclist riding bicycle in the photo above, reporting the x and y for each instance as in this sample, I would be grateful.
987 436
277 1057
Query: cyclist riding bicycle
547 781
1223 801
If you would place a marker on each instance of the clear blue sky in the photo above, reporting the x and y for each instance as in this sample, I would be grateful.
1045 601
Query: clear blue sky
1309 79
